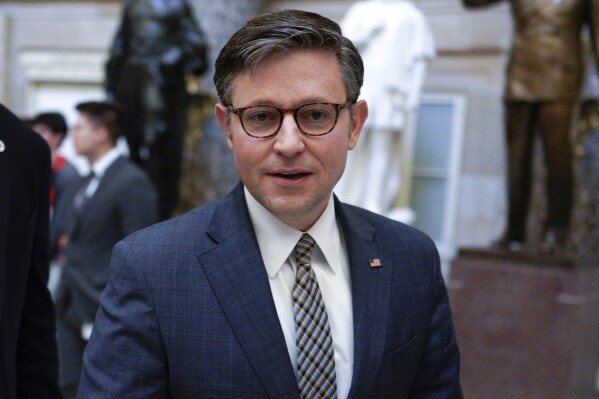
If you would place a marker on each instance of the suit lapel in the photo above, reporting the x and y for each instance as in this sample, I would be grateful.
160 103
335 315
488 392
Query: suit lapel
105 182
236 272
96 199
370 296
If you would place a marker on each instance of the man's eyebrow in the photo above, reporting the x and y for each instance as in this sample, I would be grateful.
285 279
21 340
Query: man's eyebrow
271 103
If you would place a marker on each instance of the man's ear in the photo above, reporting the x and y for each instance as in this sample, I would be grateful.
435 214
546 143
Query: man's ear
104 134
222 116
359 115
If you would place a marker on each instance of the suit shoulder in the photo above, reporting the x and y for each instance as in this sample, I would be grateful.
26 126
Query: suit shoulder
126 166
180 230
25 148
66 175
126 172
16 133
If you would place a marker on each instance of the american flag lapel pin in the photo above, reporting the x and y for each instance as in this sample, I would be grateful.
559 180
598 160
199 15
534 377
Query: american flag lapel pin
376 262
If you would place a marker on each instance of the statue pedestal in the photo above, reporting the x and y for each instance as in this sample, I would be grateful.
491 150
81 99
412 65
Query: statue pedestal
527 324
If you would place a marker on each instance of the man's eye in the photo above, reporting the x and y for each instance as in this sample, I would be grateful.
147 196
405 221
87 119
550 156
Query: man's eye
261 116
317 115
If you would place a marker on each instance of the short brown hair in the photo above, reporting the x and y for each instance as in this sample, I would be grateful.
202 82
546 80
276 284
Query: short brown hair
103 113
280 32
53 120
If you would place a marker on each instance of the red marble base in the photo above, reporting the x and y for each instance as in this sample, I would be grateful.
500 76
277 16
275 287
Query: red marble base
527 325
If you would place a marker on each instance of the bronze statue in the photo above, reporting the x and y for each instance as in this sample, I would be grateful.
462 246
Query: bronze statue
543 85
157 46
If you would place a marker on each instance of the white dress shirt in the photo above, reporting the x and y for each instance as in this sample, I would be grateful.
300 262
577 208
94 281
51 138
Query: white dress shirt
99 168
330 264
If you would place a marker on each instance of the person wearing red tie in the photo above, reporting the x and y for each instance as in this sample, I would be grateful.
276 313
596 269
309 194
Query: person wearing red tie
52 127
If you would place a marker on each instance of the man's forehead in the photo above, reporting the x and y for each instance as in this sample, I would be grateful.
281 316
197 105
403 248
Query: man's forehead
41 127
309 69
83 119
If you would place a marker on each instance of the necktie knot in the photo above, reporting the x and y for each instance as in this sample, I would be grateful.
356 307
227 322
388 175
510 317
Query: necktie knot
87 179
303 250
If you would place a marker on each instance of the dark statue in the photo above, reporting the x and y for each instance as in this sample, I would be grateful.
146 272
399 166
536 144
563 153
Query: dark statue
544 78
157 47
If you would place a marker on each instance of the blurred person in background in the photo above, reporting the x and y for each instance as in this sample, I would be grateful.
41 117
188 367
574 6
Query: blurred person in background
53 129
114 200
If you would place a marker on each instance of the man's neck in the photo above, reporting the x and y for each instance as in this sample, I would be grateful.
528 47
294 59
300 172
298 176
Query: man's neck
100 152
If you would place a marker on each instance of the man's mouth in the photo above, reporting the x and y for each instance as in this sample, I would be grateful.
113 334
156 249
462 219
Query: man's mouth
291 176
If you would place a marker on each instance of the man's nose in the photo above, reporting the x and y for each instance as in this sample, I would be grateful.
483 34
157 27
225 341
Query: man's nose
290 140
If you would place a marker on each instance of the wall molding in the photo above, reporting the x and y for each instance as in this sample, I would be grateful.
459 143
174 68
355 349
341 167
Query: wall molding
69 66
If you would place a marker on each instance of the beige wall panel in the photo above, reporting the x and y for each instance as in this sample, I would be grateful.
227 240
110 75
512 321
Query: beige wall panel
69 38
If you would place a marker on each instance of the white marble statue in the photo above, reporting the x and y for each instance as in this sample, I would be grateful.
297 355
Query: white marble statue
396 44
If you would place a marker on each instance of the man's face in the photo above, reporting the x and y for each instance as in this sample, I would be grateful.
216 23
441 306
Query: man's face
290 174
86 137
53 139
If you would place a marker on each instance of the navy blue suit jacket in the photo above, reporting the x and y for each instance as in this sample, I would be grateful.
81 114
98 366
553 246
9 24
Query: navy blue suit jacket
188 312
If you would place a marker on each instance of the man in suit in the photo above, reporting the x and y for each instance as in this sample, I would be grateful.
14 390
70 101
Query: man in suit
543 84
53 128
278 290
28 357
113 202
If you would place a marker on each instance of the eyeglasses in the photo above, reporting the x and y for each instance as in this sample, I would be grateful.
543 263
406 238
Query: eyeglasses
314 119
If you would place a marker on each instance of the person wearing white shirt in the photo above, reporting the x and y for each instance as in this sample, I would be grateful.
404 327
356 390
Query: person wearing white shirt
116 199
276 241
278 290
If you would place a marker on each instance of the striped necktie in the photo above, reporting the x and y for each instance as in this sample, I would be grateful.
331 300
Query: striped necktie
315 355
81 196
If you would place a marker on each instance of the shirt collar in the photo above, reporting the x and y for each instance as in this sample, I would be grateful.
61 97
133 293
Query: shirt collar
277 240
103 163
